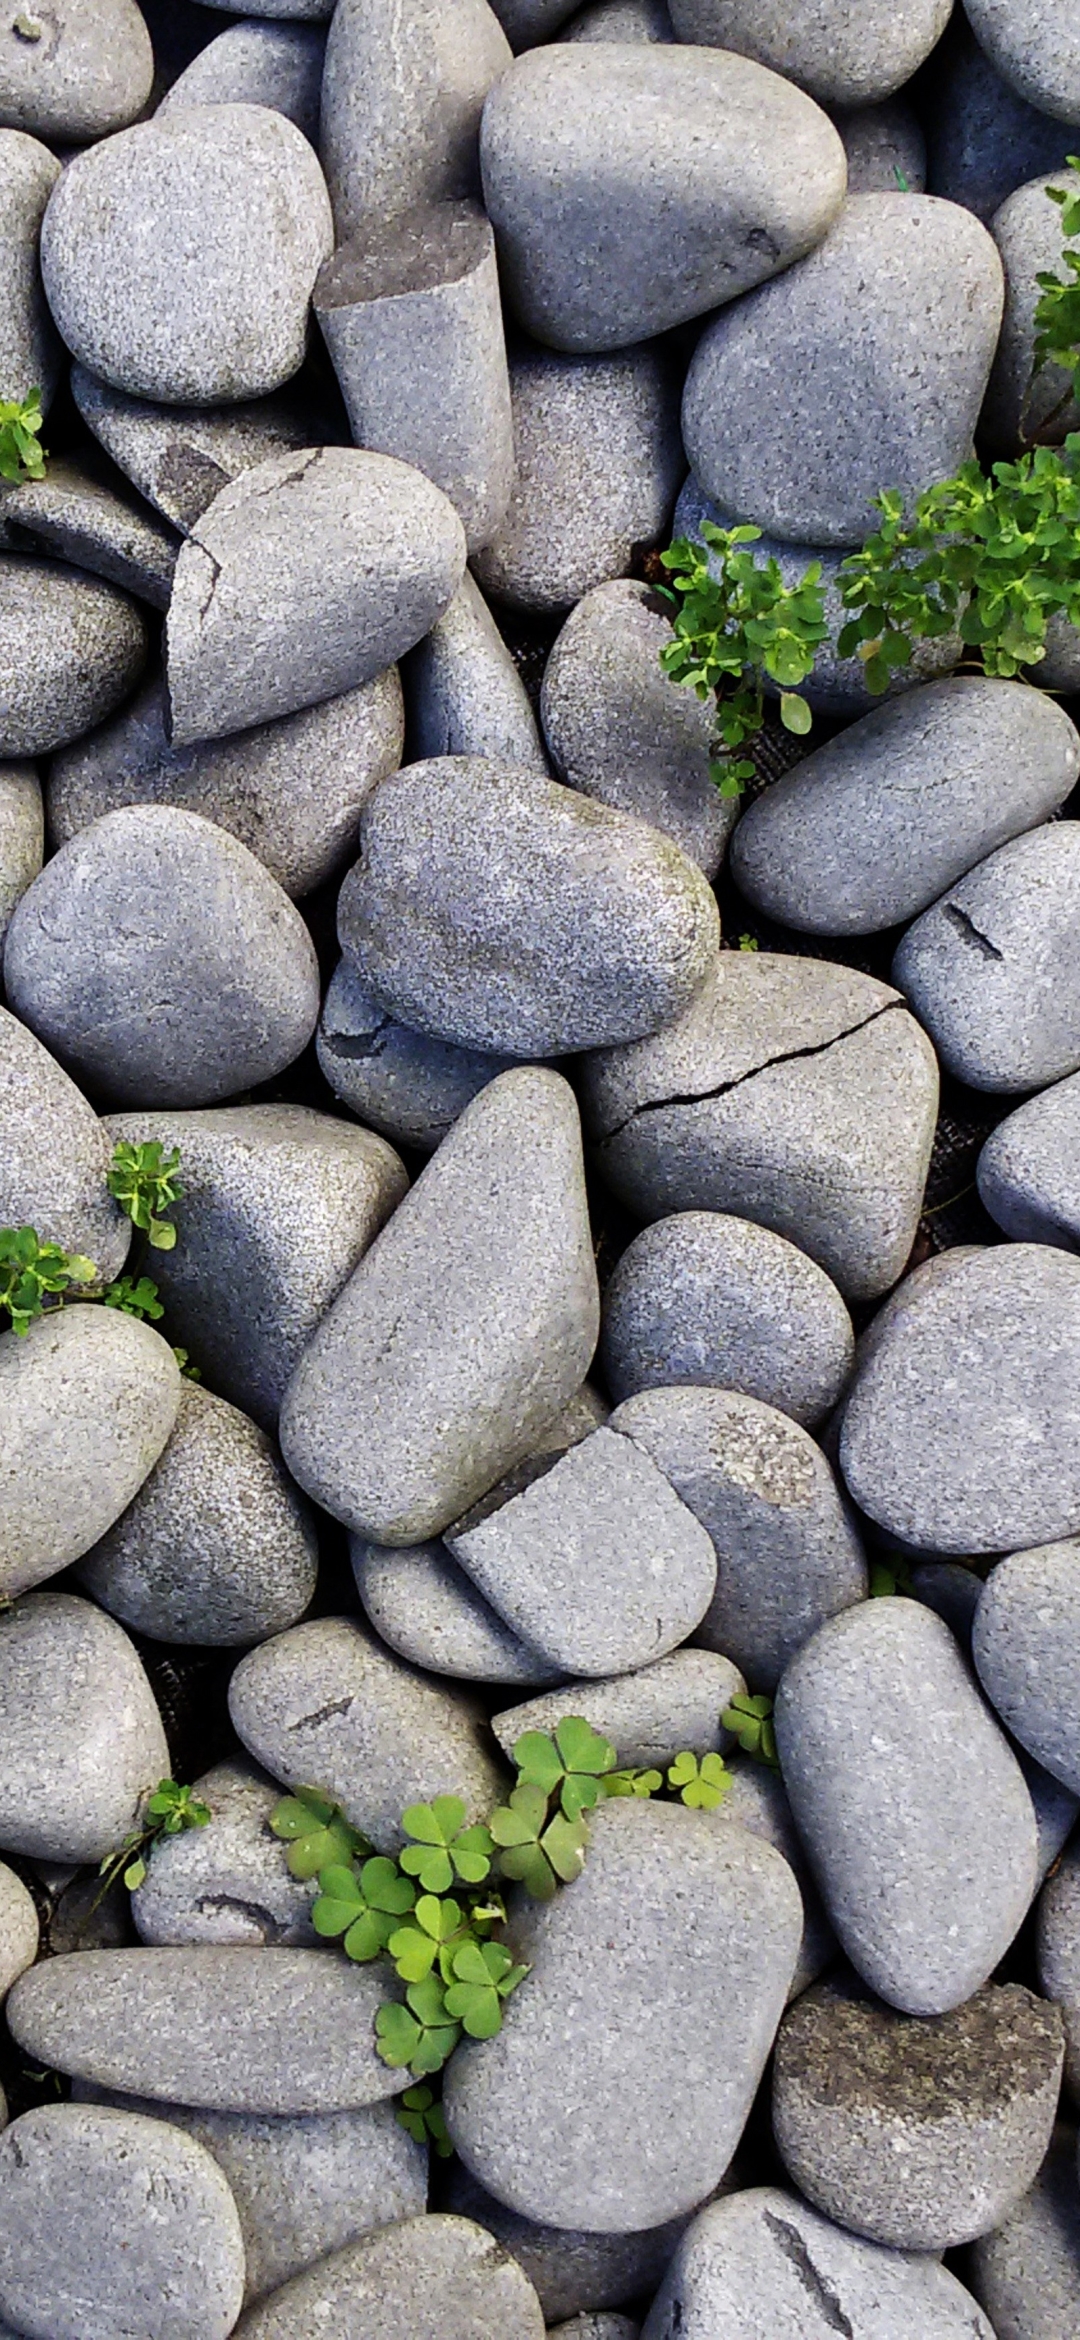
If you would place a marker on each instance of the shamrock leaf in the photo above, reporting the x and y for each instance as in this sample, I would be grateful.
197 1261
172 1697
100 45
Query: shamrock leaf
534 1851
701 1785
484 1975
420 2034
365 1908
423 2117
749 1719
415 1947
444 1847
574 1761
316 1832
633 1783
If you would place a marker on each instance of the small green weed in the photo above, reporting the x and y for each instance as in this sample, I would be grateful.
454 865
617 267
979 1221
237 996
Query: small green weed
735 623
168 1812
144 1182
22 455
36 1275
32 1273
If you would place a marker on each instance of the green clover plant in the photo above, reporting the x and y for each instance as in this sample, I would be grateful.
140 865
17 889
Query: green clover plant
444 1849
316 1832
167 1812
702 1783
749 1718
422 2115
735 623
22 455
32 1273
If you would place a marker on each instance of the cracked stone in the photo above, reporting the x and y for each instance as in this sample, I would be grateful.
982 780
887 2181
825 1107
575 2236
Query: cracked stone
991 969
80 516
436 2278
398 1080
180 458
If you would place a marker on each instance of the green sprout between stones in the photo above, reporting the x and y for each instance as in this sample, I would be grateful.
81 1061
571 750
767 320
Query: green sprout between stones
167 1812
22 455
37 1276
422 2115
735 623
144 1182
32 1273
749 1718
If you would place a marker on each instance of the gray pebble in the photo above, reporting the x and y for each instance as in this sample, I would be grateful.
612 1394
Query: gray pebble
81 518
706 1298
305 577
116 2224
983 139
1028 1172
327 1704
292 1198
29 345
621 20
953 1592
71 647
757 1799
792 1092
1026 1636
572 2272
412 320
401 116
470 1323
788 1554
435 2278
959 1431
227 1881
745 175
1021 404
774 411
258 64
1036 49
162 961
163 311
1059 669
402 1082
1027 2273
845 55
1058 1952
498 910
873 827
669 1960
22 836
599 460
18 1934
962 2106
424 1606
1055 1809
309 11
291 790
620 730
89 76
262 2030
82 1736
910 1803
884 144
597 2328
650 1716
180 459
463 692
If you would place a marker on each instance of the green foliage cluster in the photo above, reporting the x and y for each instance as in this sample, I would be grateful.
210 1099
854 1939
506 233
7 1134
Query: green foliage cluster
167 1812
32 1273
749 1718
21 453
144 1181
36 1275
735 623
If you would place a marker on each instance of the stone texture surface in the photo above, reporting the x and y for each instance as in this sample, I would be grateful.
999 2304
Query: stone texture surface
1027 2273
18 1931
1025 1638
401 115
880 141
228 1881
71 647
423 1605
1036 50
257 64
649 1716
991 968
181 458
1058 1952
82 1736
1027 1171
90 76
844 55
437 2278
80 517
621 20
463 692
570 2270
22 835
29 346
1022 404
758 1800
983 139
398 1080
54 1155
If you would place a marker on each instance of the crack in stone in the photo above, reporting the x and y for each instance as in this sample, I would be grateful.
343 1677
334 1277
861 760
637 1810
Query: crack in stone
966 927
722 1088
230 1904
791 2242
310 1722
354 1045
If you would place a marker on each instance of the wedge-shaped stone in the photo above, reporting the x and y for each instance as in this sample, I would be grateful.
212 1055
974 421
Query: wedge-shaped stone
422 1604
845 52
54 1155
179 457
401 103
463 692
81 1734
436 2278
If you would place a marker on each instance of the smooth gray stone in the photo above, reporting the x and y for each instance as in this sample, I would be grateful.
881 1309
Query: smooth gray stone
757 1800
30 353
1027 2273
81 1733
401 114
258 64
71 647
745 176
1024 404
412 319
78 518
1058 1952
326 1703
463 693
788 1554
668 1961
292 1198
792 1092
530 921
1059 669
402 1082
306 576
1028 1172
599 460
18 1933
218 1548
424 1606
621 20
881 141
845 55
161 311
306 10
161 961
471 1323
237 2030
116 2224
620 730
925 1852
88 1399
963 2105
435 2278
180 459
54 1156
1055 1810
774 410
1036 49
89 76
22 836
873 827
706 1298
650 1716
291 790
983 140
572 2272
763 2255
227 1881
953 1591
1025 1640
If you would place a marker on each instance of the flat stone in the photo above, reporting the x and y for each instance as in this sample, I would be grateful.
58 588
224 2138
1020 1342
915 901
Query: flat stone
621 20
963 2104
411 316
423 1605
71 647
227 1881
258 64
463 692
788 1553
91 75
1026 1634
180 459
774 411
650 1716
873 827
293 1198
983 139
884 144
161 961
599 461
1028 1172
80 518
486 1275
1024 403
1058 1952
792 1092
925 1852
22 836
757 1800
263 2030
620 730
18 1933
533 922
78 2250
306 576
1027 2273
400 1081
960 1432
762 2252
845 55
82 1735
570 2271
161 311
290 790
401 117
706 1298
991 969
326 1703
30 351
1035 49
218 1548
436 2278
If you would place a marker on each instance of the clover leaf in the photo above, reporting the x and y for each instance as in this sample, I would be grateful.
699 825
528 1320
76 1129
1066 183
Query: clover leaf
415 1947
419 2034
702 1785
484 1975
444 1848
365 1909
633 1783
534 1851
316 1831
749 1719
422 2115
574 1761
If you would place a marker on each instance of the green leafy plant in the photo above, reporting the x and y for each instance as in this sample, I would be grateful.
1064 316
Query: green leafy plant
35 1275
32 1273
134 1296
735 623
364 1907
144 1182
537 1848
890 1577
316 1832
420 2034
167 1812
484 1975
702 1783
1057 313
422 2115
22 455
749 1718
444 1849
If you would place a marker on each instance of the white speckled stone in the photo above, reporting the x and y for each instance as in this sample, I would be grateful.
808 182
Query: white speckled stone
180 458
463 692
1028 1172
29 344
18 1933
22 836
435 2278
81 1734
257 64
90 74
401 109
71 647
845 52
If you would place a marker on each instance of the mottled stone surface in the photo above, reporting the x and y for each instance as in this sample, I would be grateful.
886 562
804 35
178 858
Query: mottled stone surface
991 968
649 1716
89 76
80 517
884 145
436 2278
398 1080
71 647
1028 1172
983 139
82 1736
22 835
180 458
1058 1952
1021 404
29 345
1027 2273
401 112
844 54
54 1155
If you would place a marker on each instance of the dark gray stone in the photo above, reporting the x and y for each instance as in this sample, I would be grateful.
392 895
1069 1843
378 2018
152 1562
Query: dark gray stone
1058 1952
401 116
71 647
1028 1172
160 311
526 22
1055 1809
1026 1635
423 1605
884 144
436 2278
571 2271
89 75
54 1155
22 836
402 1082
18 1934
983 140
845 55
463 692
775 406
306 10
650 1716
162 961
953 1591
258 64
80 518
82 1736
1036 49
29 345
1021 403
181 459
621 20
1027 2273
227 1881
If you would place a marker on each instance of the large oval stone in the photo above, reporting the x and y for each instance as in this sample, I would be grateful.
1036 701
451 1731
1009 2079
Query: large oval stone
81 1733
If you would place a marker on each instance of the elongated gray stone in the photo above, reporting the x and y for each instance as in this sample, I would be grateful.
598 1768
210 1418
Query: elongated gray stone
1027 1172
649 1716
1057 1941
398 1080
464 694
258 64
745 176
1025 1638
88 76
422 1604
570 2270
1036 50
843 54
401 116
80 518
180 458
757 1799
1023 403
226 1882
54 1155
991 969
82 1735
983 140
71 647
18 1932
437 2278
22 836
1027 2273
29 344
